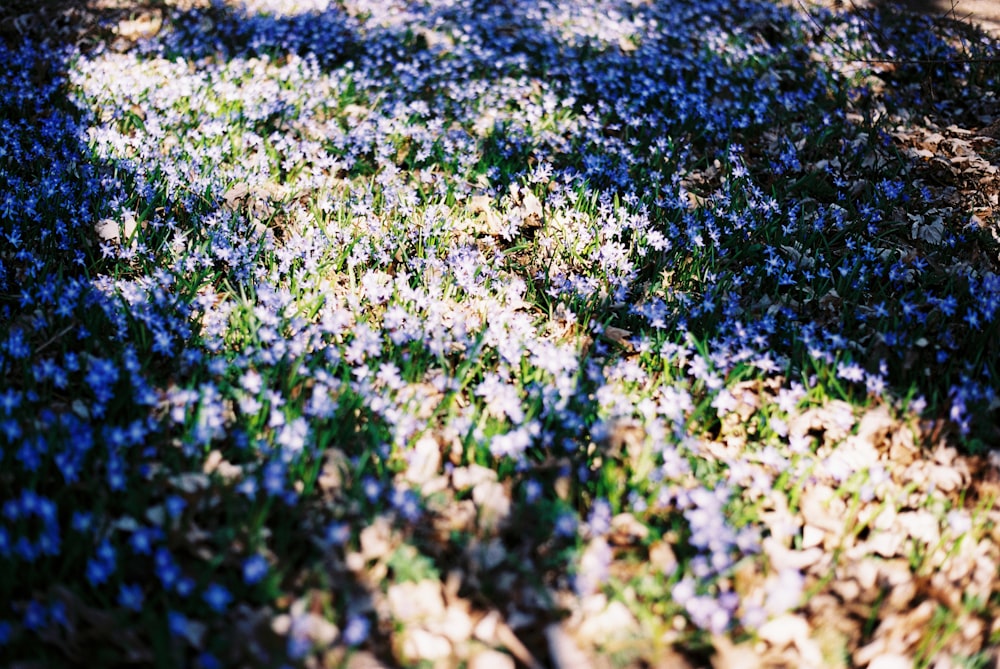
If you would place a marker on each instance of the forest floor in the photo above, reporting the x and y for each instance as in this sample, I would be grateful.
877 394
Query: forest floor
480 335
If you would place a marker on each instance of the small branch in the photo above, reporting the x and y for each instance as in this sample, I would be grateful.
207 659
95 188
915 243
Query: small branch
855 58
58 335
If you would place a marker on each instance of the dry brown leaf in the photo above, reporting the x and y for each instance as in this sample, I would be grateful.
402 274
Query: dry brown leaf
493 503
619 336
784 630
463 478
875 425
416 602
364 660
417 645
488 658
458 516
625 530
662 556
613 621
781 558
456 625
885 544
424 461
920 525
483 204
563 650
812 536
331 476
530 207
142 27
377 540
823 509
731 656
891 661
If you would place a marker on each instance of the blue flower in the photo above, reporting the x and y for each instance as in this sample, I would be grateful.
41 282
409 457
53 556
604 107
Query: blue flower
175 505
185 586
142 541
600 517
166 570
26 550
356 630
337 533
208 661
254 569
57 612
98 571
130 597
532 491
81 521
565 525
177 622
106 552
217 597
274 477
35 618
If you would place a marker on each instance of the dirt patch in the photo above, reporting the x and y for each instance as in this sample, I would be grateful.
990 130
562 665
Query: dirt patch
84 23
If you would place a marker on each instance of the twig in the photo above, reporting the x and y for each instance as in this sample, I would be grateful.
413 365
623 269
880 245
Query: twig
854 58
54 337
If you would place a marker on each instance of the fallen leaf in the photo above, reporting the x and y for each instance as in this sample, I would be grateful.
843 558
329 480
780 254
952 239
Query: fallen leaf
920 525
416 602
619 336
134 29
733 656
491 659
625 530
424 461
614 622
419 645
463 478
823 509
891 661
563 650
781 558
493 504
376 539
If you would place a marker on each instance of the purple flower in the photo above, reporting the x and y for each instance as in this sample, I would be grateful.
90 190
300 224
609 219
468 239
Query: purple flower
565 525
784 591
600 517
337 533
356 630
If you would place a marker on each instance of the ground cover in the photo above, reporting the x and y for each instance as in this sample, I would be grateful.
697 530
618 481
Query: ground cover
474 334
